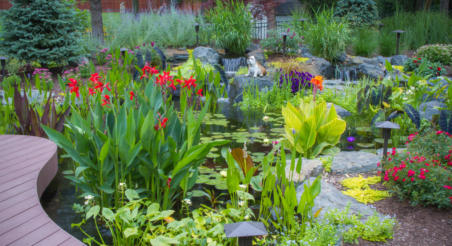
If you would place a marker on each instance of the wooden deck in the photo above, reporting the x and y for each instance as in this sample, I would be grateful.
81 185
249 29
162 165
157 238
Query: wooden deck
27 165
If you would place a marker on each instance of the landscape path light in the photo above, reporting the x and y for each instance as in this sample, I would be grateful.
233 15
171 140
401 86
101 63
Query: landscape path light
398 33
123 51
197 33
284 38
3 63
386 127
245 231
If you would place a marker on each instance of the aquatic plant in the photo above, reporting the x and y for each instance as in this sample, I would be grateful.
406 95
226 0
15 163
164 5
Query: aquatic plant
312 128
296 80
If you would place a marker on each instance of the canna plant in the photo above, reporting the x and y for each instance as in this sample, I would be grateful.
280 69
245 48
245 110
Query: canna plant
312 128
134 140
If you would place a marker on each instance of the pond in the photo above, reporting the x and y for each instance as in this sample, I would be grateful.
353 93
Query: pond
255 129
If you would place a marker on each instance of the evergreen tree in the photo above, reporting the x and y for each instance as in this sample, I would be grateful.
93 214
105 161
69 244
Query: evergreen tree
45 31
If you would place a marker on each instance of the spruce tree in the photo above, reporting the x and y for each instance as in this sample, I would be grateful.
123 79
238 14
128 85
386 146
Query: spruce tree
44 31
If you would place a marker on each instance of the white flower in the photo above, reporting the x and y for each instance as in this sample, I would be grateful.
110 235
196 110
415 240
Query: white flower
223 173
266 141
122 185
247 217
89 197
266 118
86 202
242 186
187 201
241 203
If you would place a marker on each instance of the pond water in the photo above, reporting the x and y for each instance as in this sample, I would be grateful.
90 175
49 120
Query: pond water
256 129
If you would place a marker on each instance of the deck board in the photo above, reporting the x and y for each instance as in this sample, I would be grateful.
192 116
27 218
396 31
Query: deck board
27 165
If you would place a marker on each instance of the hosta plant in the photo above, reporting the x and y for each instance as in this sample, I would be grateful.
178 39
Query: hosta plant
312 127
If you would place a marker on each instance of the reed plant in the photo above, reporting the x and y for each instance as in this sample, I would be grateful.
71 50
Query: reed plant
365 41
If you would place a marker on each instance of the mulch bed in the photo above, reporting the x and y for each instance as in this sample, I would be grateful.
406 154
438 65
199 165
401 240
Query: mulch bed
416 225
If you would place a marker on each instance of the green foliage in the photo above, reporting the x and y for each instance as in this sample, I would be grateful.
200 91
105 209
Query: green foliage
274 42
423 27
169 29
357 12
231 26
326 35
142 222
387 43
45 31
140 142
423 174
279 195
365 41
441 53
374 229
312 128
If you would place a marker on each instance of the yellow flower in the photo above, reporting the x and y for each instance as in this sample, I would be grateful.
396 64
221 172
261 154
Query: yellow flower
169 219
318 81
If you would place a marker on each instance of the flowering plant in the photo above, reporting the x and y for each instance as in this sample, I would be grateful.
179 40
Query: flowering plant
296 80
423 67
132 137
423 173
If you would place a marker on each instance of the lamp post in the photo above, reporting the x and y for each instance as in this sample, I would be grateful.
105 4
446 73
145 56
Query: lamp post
398 33
386 127
197 33
284 38
123 51
245 231
3 63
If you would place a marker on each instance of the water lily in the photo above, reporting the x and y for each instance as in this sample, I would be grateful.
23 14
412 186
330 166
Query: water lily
351 139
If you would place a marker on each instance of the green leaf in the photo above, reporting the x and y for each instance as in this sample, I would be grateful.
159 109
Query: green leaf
163 241
130 231
108 214
132 195
104 151
93 212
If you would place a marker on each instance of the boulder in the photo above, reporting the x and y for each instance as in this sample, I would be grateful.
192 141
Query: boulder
354 162
309 168
322 67
207 55
399 60
240 82
332 198
371 71
305 52
428 109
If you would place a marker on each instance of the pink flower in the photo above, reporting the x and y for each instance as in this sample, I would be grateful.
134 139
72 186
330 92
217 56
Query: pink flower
411 173
448 187
396 178
421 176
439 132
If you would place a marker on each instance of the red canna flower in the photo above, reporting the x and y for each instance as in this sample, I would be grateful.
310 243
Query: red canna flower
91 91
168 183
164 78
72 82
148 70
439 69
106 100
188 83
106 86
172 86
95 77
75 90
199 93
131 95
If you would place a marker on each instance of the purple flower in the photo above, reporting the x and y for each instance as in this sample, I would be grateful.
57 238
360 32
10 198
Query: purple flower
350 147
351 139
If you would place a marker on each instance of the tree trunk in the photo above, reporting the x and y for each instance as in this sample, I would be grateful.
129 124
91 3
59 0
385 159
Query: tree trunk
135 7
444 6
428 4
95 7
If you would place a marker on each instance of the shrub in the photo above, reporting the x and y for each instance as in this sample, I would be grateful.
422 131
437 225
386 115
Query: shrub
423 174
274 42
387 43
328 36
441 53
45 31
357 12
365 42
423 67
231 26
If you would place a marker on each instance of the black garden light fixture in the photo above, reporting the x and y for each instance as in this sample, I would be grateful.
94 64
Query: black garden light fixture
123 51
386 127
398 33
284 38
197 33
3 63
245 231
380 26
